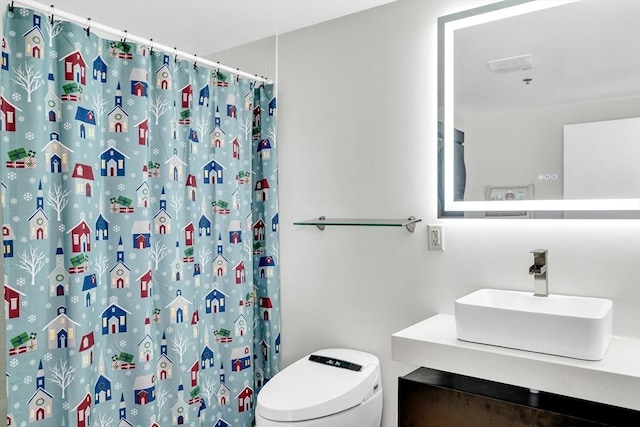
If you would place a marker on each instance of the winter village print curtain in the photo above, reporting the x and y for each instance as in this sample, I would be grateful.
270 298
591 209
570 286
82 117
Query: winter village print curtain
140 231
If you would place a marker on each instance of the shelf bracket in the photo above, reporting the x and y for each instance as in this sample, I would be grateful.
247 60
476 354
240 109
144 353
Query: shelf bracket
321 227
411 226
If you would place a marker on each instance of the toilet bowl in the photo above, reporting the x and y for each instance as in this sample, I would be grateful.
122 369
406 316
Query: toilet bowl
328 388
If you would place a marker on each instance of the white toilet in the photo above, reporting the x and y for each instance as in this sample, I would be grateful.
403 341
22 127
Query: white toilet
328 388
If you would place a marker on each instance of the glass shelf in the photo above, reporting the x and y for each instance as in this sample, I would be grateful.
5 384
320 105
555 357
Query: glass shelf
322 222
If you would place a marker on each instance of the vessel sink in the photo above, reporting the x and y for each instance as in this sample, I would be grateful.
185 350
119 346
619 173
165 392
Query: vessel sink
562 325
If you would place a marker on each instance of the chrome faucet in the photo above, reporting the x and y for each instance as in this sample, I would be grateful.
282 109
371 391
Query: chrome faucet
539 272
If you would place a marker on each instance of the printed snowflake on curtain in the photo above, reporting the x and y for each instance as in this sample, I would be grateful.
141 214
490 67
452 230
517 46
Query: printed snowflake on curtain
140 228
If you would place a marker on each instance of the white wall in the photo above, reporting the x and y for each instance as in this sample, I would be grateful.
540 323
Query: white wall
357 138
530 143
601 159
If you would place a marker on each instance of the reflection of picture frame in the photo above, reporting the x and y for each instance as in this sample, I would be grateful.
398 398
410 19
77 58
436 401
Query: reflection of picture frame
506 193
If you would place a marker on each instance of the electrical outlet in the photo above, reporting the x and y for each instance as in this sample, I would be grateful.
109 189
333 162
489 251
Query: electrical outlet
436 237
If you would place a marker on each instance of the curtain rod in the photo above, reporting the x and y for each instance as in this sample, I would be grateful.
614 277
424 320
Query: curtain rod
88 24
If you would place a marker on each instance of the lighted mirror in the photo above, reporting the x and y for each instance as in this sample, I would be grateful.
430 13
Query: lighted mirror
539 110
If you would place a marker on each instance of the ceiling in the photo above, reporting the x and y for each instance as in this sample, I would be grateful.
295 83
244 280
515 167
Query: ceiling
583 52
203 27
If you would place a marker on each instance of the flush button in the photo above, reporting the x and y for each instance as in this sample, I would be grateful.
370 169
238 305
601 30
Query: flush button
336 363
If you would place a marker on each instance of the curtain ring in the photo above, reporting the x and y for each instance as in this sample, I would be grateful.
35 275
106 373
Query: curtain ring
51 17
88 29
151 50
175 55
124 40
11 6
195 61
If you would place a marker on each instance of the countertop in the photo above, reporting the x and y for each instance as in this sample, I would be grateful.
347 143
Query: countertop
614 380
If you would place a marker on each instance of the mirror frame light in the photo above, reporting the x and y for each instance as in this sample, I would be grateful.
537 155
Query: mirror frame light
446 26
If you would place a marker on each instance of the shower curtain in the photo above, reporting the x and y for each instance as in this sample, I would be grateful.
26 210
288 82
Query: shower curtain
140 231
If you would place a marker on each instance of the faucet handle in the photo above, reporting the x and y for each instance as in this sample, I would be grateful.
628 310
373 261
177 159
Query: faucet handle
539 260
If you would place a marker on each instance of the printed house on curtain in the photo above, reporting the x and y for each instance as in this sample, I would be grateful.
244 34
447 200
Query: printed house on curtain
6 50
12 301
41 403
213 173
86 349
142 195
163 74
266 267
34 39
261 189
203 98
217 137
245 399
81 237
180 410
89 287
7 240
58 278
240 358
235 231
220 265
179 308
100 69
114 318
52 101
112 161
102 228
87 123
118 118
143 132
8 117
39 221
102 389
145 281
186 96
83 176
141 234
139 82
56 154
75 67
144 389
120 273
215 301
164 364
61 330
83 411
176 166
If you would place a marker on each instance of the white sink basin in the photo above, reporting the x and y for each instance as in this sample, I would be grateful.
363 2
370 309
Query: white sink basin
578 327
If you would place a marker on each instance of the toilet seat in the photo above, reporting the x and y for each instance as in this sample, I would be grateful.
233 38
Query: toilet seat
334 389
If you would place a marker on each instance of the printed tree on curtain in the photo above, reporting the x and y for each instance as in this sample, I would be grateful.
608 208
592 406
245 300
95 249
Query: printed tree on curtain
140 229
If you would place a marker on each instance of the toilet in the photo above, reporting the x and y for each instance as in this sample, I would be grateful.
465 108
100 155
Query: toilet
329 388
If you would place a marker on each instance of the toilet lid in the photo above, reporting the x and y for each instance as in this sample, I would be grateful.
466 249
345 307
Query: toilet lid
309 389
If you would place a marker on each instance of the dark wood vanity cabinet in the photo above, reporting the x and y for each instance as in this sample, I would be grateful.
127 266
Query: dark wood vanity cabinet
428 397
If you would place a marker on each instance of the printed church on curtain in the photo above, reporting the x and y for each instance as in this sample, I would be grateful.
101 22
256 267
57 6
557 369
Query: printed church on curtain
140 231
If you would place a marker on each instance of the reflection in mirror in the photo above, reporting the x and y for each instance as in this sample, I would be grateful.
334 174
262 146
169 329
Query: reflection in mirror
539 110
